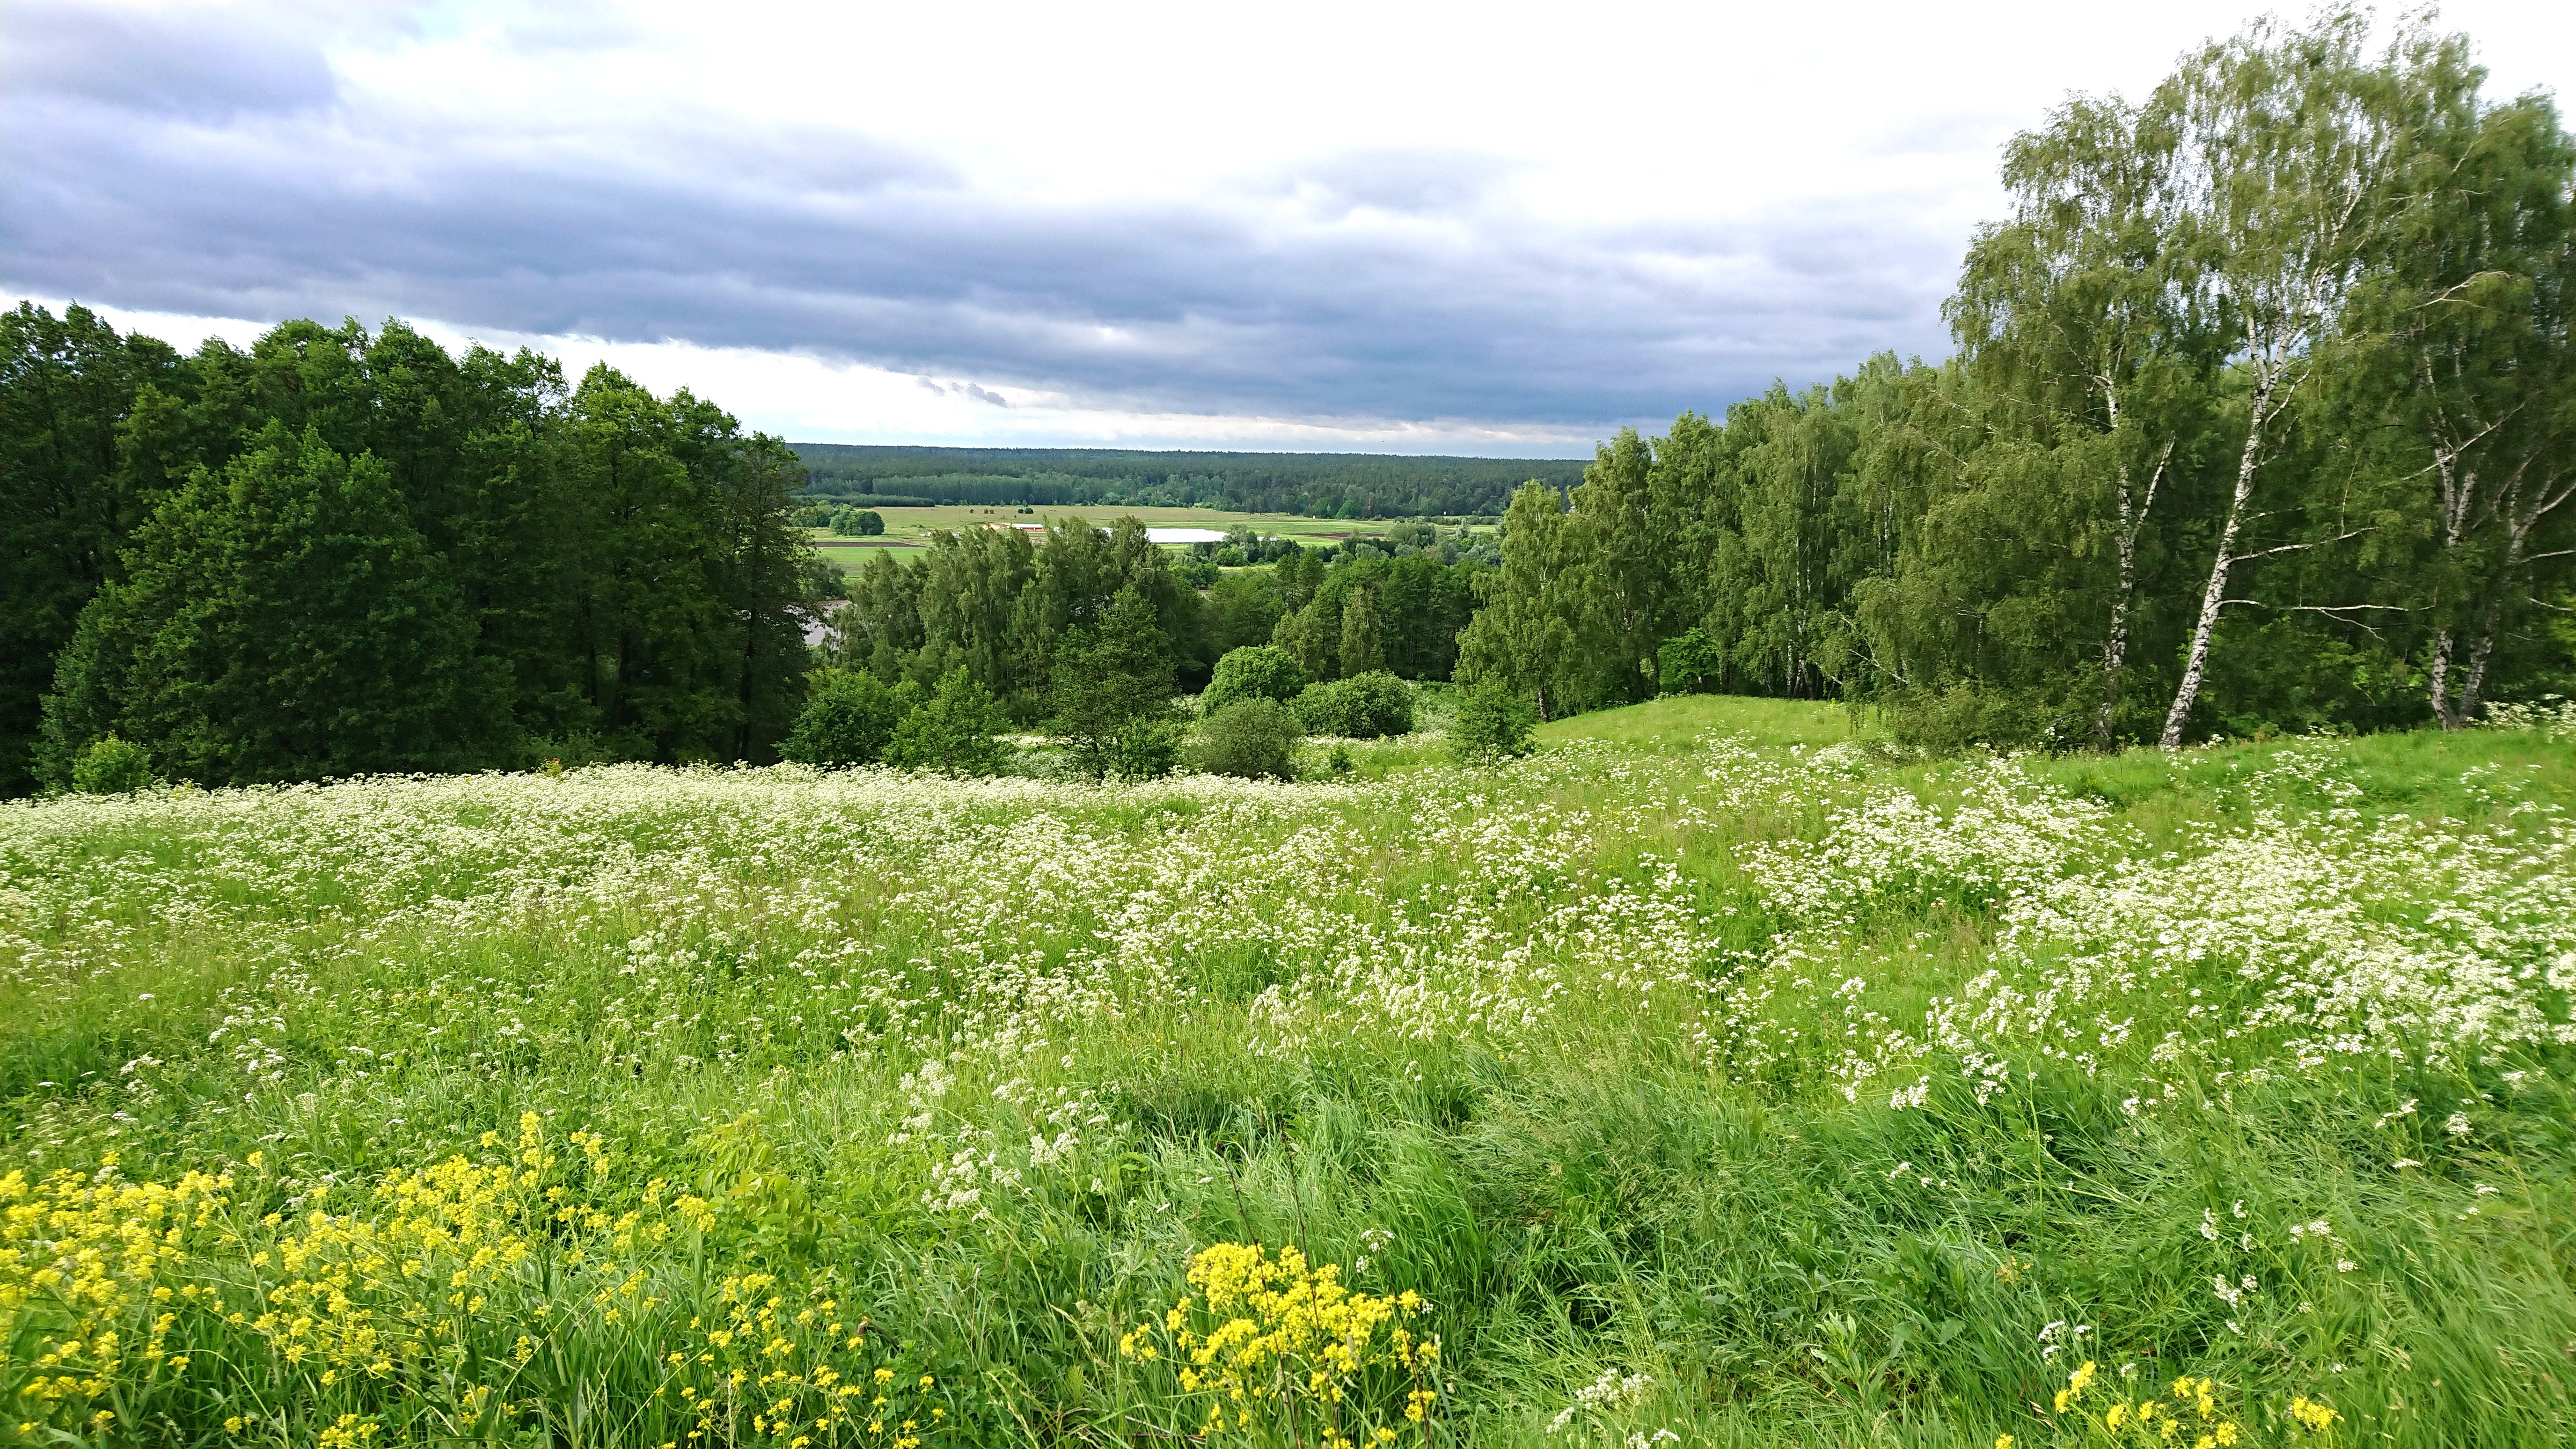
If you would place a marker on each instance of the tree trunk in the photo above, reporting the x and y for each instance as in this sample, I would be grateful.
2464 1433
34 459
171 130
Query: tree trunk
2437 681
2214 598
2115 648
2477 677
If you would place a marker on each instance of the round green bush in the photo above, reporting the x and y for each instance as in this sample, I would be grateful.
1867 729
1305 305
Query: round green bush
111 766
1493 723
1255 671
849 716
1363 707
953 733
1251 738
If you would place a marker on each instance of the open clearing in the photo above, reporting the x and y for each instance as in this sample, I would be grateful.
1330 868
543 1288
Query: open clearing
1703 1079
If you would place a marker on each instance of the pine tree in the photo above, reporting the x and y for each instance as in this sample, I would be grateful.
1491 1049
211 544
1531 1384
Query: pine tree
1112 692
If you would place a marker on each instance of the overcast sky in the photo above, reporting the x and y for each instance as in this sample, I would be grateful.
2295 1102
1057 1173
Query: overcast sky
1468 229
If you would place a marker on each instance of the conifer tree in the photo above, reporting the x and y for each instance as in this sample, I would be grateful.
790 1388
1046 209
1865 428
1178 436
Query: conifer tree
1112 692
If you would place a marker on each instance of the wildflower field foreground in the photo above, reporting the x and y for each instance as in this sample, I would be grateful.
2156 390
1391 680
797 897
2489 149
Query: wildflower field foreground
1644 1092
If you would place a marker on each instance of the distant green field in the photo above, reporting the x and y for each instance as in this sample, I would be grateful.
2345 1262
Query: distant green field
1674 721
911 528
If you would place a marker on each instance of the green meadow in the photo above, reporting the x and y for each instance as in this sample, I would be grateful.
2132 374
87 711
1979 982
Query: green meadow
1715 1076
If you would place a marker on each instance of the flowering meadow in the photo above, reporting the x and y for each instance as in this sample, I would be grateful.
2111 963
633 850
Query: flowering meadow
1643 1092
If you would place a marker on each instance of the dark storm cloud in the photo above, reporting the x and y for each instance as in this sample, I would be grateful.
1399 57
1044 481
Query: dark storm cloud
197 67
1368 287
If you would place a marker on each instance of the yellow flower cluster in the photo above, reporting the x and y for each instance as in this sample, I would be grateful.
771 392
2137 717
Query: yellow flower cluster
1273 1341
466 1291
2190 1416
793 1375
2313 1416
80 1256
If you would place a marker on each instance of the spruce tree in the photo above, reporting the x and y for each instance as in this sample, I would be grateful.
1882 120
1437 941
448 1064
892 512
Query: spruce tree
1112 692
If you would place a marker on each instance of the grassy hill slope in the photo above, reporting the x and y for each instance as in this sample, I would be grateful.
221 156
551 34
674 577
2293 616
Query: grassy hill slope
1747 1091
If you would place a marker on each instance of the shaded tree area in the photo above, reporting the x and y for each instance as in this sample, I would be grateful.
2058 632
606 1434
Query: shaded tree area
2263 418
338 552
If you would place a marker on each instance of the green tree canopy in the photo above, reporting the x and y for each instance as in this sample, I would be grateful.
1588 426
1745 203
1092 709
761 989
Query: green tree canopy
1112 691
280 620
1262 671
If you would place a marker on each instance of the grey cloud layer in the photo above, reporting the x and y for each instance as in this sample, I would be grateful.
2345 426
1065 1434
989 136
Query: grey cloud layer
1385 286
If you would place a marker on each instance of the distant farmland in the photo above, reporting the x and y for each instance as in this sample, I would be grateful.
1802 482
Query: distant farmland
1314 485
911 528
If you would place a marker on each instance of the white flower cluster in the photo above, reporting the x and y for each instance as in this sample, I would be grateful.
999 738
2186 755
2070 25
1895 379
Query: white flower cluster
1610 1392
973 936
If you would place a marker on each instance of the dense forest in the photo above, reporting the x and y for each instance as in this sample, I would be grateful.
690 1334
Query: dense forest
338 553
2263 418
1323 485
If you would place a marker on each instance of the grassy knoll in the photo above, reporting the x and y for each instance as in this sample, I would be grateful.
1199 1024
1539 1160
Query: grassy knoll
1747 1090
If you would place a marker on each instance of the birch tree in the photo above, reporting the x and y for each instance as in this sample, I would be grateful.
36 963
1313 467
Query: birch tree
1523 639
2078 316
2279 150
2463 351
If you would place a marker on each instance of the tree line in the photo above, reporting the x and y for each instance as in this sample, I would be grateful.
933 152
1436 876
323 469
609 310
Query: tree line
2263 417
338 552
998 604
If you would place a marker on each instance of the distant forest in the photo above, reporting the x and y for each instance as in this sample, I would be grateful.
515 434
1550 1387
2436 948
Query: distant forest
1322 485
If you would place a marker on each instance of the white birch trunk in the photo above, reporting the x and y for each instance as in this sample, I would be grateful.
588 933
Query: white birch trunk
2115 648
2214 597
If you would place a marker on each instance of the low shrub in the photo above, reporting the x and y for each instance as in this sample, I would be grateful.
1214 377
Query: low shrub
952 732
1493 723
849 717
1262 671
1364 706
1689 663
1967 716
1252 738
112 766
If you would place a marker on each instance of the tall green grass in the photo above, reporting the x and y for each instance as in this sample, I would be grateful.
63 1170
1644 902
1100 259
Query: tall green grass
1571 1049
